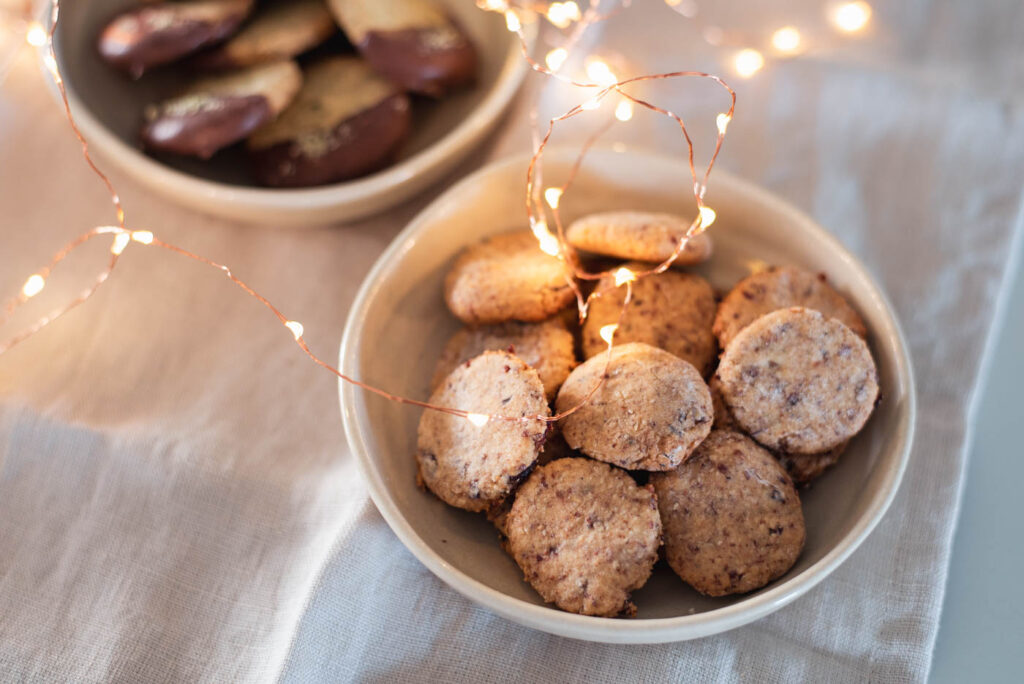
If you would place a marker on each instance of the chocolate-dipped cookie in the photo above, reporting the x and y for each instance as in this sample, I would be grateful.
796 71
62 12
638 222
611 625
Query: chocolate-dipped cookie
346 121
158 33
219 111
411 42
278 30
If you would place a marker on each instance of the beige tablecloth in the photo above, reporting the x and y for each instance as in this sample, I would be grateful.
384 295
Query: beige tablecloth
177 501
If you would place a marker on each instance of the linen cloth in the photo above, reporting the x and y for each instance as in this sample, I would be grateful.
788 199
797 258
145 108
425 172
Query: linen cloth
177 500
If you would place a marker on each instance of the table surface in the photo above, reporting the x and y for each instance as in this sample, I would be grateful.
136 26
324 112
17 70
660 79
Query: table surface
982 625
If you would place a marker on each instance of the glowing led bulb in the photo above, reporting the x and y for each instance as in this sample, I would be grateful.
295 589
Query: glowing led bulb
748 62
36 35
608 332
786 39
492 5
592 103
624 275
688 8
142 236
477 419
561 14
34 285
548 242
552 196
556 58
852 16
512 21
121 241
295 327
707 216
600 73
624 110
723 120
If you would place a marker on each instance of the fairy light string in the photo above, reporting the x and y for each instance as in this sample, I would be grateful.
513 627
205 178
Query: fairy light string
560 15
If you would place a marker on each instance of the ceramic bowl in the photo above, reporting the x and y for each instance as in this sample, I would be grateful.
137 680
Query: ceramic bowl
399 322
108 107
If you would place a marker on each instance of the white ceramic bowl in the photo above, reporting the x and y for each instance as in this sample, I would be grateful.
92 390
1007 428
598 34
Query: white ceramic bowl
399 322
108 107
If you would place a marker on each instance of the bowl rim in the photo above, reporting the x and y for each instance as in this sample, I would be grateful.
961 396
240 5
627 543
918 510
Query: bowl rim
653 630
391 180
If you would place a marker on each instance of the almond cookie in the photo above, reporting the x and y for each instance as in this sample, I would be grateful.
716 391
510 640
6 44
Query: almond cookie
158 33
345 122
474 467
585 535
218 111
279 30
780 288
546 346
798 382
506 277
801 467
806 467
650 413
639 235
411 42
670 310
732 517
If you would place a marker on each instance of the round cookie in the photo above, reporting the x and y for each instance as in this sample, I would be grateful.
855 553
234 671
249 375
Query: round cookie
217 111
640 235
780 288
157 33
585 535
806 467
670 310
650 413
506 277
546 346
473 467
731 516
279 30
801 467
798 382
723 419
346 121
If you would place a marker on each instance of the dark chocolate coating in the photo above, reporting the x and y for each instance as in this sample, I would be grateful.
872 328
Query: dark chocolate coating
416 60
150 36
223 121
359 145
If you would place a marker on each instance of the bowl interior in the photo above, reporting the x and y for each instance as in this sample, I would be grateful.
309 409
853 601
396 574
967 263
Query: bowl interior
117 102
399 324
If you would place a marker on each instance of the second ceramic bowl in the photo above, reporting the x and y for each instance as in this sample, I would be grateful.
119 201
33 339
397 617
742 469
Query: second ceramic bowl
108 107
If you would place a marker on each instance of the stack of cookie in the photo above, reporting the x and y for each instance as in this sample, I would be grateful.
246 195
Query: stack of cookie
647 453
306 120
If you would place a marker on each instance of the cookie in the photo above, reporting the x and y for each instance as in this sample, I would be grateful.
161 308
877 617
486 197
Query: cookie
585 536
670 310
639 235
158 33
651 412
218 111
780 288
801 467
474 467
411 42
799 382
546 346
731 516
346 121
278 30
723 416
806 467
506 277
